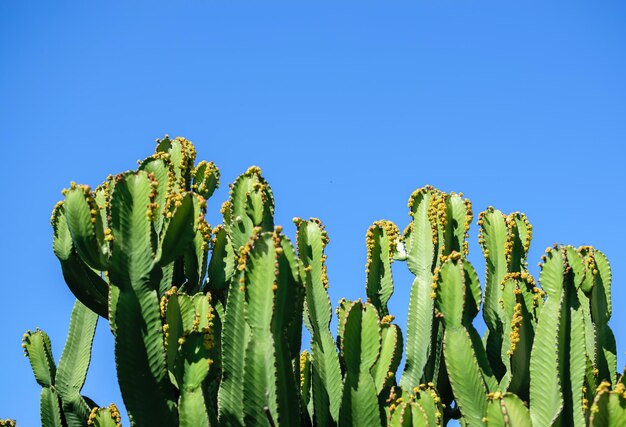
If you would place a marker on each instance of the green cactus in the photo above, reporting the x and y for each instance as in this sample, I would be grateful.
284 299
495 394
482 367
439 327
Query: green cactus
381 241
505 241
360 347
609 406
439 227
326 377
208 320
566 323
506 410
61 401
421 407
190 352
271 285
105 417
457 298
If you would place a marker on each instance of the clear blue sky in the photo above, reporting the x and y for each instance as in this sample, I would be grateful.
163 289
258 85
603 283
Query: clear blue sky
346 106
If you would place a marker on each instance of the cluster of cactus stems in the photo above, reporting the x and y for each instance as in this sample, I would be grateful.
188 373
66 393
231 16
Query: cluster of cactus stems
208 320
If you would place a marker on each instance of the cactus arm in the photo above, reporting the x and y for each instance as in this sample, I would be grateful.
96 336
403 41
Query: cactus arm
515 410
381 240
182 156
287 330
62 244
194 362
235 337
196 256
584 294
449 290
390 354
192 409
545 386
458 214
38 348
105 417
84 283
470 391
206 179
401 416
609 406
473 293
114 294
51 414
132 249
178 232
140 360
420 244
221 268
290 299
360 348
429 404
74 362
506 410
86 226
456 289
259 279
519 238
577 360
518 292
251 204
139 348
574 348
419 418
305 382
190 342
163 172
173 329
601 313
326 373
465 360
545 383
272 287
493 238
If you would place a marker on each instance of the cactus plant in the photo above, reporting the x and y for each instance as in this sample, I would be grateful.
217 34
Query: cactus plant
61 401
208 320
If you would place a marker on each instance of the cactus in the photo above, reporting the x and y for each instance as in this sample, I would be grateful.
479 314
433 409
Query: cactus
608 407
566 323
506 409
421 407
271 284
360 347
505 241
105 417
61 401
326 376
208 320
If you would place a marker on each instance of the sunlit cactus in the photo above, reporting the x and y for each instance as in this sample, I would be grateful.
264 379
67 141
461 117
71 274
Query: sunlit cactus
208 321
61 402
105 417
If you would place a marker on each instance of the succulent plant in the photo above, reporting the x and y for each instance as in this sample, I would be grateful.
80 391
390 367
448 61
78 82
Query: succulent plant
208 320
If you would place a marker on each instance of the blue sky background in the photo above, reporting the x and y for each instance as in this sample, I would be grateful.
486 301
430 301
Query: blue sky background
346 106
